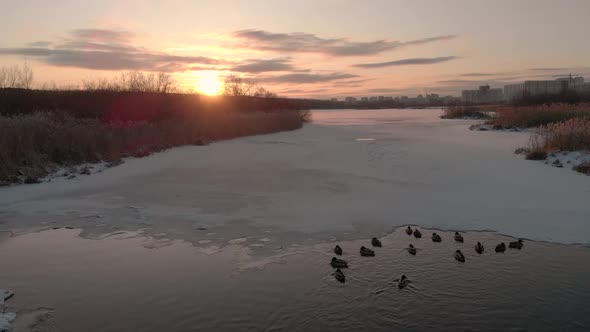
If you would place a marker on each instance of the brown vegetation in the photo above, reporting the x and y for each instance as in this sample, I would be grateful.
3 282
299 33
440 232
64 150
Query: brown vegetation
34 145
134 114
467 112
569 135
537 115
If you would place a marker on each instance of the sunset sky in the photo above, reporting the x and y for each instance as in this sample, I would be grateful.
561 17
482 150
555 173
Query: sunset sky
302 48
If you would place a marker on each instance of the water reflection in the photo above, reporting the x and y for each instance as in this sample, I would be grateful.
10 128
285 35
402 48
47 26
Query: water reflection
117 284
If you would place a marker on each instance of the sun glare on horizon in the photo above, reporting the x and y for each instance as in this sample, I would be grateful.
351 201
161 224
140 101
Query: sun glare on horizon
208 83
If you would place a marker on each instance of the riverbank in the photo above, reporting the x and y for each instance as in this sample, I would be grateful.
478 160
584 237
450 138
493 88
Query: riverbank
45 132
558 132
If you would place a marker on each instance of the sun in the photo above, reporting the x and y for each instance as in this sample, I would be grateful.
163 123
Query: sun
208 83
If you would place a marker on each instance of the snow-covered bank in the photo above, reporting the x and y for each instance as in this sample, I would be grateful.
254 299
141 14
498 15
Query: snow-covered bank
351 172
6 318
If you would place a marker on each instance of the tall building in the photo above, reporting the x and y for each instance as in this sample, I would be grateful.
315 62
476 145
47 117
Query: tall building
552 87
483 95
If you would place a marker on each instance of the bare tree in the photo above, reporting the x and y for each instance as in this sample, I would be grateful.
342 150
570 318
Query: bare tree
134 82
16 77
236 86
264 93
165 83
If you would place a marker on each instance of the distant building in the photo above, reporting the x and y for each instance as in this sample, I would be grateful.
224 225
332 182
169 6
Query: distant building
552 87
350 99
334 99
421 100
432 98
373 99
365 99
482 95
388 98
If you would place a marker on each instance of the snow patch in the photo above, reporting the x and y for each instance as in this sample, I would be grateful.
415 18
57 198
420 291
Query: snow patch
5 294
239 240
6 318
566 159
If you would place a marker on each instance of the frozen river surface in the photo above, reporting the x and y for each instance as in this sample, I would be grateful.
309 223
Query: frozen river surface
349 174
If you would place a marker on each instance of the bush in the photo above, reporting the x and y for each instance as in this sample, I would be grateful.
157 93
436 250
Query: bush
535 116
465 112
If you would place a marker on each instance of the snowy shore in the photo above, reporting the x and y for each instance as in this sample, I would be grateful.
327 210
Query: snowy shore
350 172
6 318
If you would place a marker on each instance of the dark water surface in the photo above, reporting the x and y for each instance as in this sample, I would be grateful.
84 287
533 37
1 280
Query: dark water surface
129 283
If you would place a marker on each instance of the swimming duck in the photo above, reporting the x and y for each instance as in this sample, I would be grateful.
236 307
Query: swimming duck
501 247
338 250
412 250
338 263
367 252
436 237
403 282
479 248
417 234
458 237
375 242
459 256
409 230
339 275
516 244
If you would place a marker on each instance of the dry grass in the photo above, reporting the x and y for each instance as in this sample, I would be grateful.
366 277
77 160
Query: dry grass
535 116
33 145
466 112
569 135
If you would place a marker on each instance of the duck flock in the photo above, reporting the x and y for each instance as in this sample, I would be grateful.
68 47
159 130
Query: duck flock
340 264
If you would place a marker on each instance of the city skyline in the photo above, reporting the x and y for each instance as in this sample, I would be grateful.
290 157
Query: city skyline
391 48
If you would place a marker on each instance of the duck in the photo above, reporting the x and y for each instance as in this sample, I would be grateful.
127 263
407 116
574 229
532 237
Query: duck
339 275
417 234
458 237
479 248
338 263
367 252
501 247
516 244
409 230
375 242
412 249
338 250
436 237
403 282
459 256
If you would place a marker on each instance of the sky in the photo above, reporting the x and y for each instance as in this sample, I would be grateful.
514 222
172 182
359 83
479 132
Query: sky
302 48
